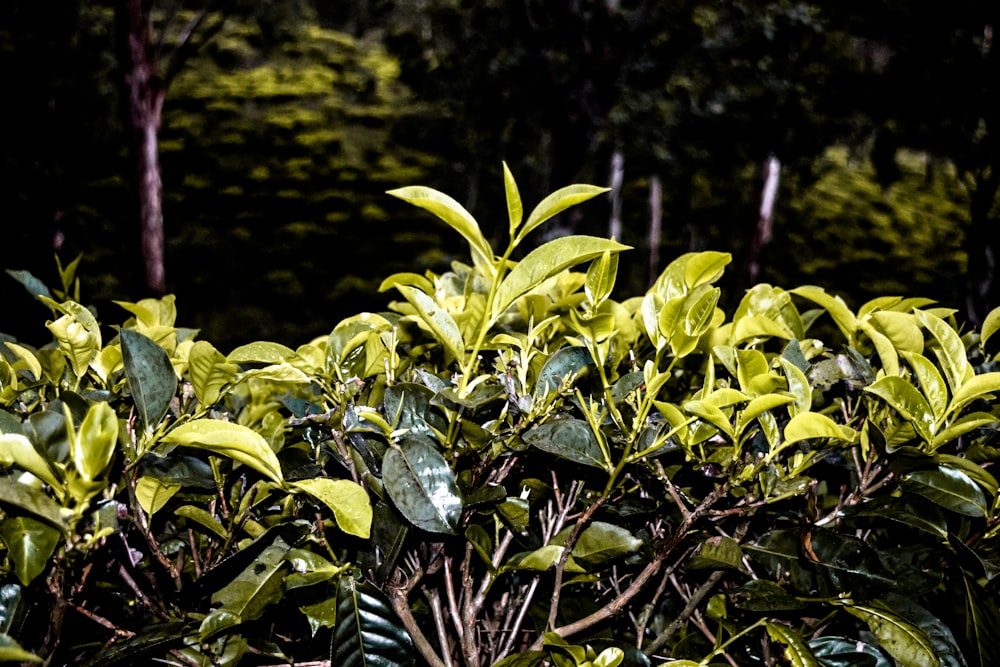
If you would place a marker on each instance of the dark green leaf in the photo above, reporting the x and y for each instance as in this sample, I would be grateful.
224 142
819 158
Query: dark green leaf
946 649
980 616
150 642
32 500
764 595
716 553
151 377
34 286
564 364
571 439
834 651
368 632
949 488
258 586
422 485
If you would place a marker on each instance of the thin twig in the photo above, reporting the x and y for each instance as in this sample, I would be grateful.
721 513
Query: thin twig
437 613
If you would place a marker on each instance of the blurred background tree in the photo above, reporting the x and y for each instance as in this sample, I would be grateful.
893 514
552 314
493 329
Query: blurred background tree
281 133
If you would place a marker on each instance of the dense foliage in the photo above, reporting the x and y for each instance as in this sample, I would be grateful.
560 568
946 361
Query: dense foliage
507 467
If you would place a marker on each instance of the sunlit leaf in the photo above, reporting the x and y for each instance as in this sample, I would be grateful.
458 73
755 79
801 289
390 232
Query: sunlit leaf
209 371
905 399
932 385
422 485
153 494
17 449
950 350
546 261
349 502
556 203
437 319
262 352
368 632
715 553
95 441
33 501
454 215
808 425
228 439
151 376
980 386
515 210
834 305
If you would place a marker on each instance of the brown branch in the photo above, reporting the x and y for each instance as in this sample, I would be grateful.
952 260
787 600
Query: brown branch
398 595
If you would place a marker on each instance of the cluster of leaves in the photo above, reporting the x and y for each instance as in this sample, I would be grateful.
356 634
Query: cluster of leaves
508 467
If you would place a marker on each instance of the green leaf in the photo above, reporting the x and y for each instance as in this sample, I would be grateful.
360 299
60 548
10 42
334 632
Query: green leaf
705 267
906 643
980 386
228 439
901 329
546 261
437 319
905 399
422 485
990 325
260 352
700 311
94 446
834 305
980 616
949 488
809 425
515 210
148 643
32 500
204 518
17 449
566 363
151 377
258 586
843 652
602 542
209 372
716 553
932 385
11 651
556 203
797 652
78 335
349 502
951 351
570 439
454 215
217 620
34 286
368 632
601 277
30 544
153 494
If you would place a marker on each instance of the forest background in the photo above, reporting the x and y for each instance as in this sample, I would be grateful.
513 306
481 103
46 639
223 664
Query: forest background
284 122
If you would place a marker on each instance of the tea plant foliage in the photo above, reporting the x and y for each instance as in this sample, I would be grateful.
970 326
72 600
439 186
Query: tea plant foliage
507 467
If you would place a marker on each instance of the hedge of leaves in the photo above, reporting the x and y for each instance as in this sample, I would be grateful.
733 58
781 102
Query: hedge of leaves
507 467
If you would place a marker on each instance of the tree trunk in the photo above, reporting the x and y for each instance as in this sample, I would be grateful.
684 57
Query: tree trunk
762 230
144 107
981 246
655 225
615 182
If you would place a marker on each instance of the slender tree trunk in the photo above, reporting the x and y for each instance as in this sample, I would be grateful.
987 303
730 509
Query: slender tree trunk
144 107
617 178
981 246
762 230
655 225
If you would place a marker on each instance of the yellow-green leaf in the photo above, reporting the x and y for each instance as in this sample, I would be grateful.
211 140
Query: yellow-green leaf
228 439
809 425
153 494
349 502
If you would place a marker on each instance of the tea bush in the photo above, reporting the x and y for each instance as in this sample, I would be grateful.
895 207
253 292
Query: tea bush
507 467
